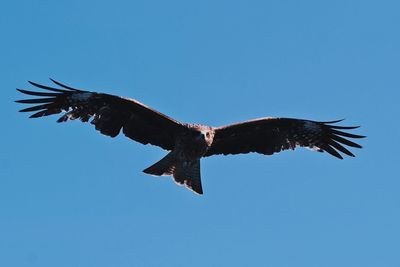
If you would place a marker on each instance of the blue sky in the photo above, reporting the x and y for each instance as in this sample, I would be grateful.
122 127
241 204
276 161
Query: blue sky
72 197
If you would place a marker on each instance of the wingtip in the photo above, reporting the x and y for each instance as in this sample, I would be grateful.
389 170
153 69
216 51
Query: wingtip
350 154
19 101
332 122
340 157
36 84
34 116
63 85
343 127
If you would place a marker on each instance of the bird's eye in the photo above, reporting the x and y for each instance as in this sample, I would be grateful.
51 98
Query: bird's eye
207 134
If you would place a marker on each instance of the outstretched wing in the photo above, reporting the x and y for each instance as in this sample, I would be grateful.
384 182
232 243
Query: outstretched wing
272 135
110 114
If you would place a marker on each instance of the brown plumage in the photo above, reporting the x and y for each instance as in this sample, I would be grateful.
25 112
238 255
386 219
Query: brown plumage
187 143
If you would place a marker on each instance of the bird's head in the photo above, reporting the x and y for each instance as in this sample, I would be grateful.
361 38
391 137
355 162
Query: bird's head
206 136
203 134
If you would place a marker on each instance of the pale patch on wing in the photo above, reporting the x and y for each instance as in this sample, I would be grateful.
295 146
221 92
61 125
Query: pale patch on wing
312 126
314 148
81 97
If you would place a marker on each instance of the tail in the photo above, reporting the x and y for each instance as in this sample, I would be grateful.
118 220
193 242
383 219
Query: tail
185 173
188 173
166 166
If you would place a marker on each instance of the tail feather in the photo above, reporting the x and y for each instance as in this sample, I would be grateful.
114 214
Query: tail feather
165 166
188 173
185 173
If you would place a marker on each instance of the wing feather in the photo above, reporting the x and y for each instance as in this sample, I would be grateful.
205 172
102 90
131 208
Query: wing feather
63 85
38 107
331 151
38 100
36 93
109 114
345 141
272 135
346 134
48 87
341 148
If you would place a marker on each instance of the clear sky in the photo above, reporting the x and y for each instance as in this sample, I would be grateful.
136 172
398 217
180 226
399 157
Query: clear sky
72 197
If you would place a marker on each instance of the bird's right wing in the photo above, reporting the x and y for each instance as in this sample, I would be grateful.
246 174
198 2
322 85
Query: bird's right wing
110 114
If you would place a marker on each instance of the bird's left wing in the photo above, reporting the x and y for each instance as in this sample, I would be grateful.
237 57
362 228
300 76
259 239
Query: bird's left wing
272 135
110 114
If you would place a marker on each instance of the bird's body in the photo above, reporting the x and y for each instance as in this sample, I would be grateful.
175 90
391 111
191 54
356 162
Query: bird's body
186 143
194 143
183 162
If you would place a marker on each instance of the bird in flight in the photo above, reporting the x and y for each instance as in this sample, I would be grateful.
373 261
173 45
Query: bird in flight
186 143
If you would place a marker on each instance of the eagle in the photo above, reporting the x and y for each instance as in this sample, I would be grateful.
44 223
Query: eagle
186 143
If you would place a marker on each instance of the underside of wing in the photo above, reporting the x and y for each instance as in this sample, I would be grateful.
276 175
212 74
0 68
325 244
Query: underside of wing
109 113
272 135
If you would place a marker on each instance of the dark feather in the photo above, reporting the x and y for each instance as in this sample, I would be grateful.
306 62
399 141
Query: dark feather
344 127
63 85
345 141
340 148
45 113
39 107
36 93
38 100
331 151
331 122
346 134
48 88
